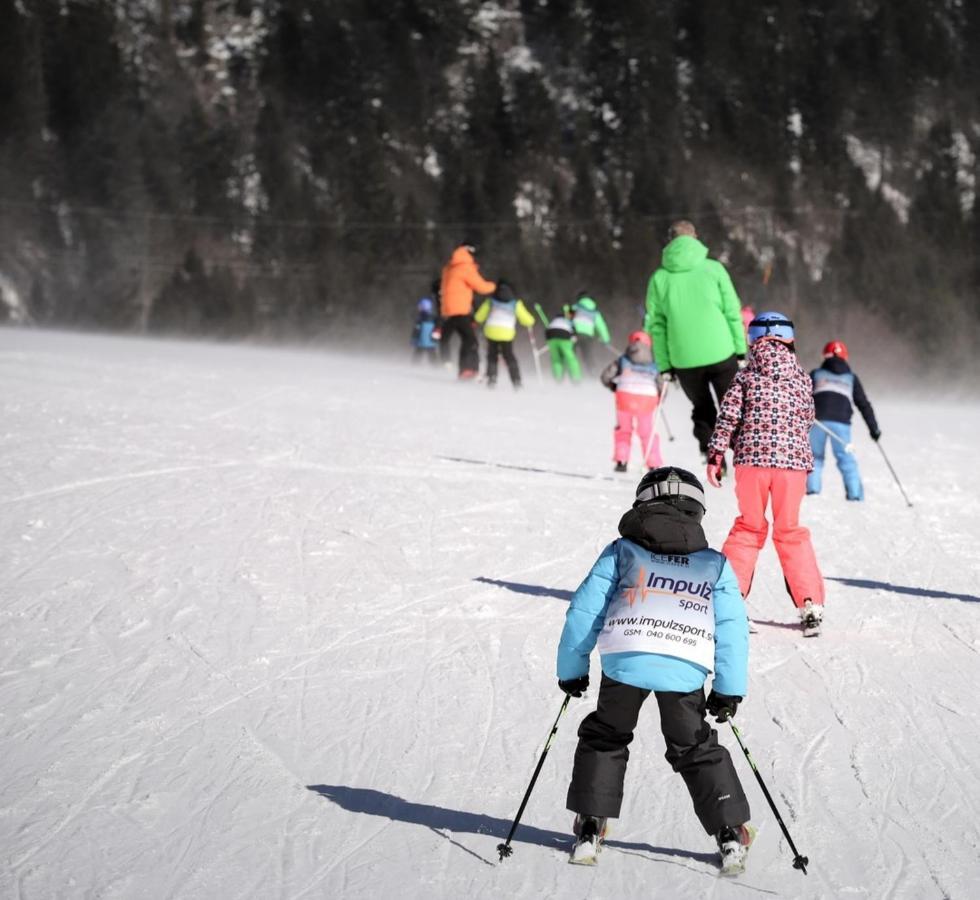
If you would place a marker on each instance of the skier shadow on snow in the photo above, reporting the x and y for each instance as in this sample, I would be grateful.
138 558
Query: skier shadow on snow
898 589
535 590
440 819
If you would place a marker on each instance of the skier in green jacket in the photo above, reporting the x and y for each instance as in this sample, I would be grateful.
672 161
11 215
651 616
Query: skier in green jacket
589 326
694 317
560 335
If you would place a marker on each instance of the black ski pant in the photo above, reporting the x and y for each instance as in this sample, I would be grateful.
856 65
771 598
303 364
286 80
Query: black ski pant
469 352
697 384
693 752
494 350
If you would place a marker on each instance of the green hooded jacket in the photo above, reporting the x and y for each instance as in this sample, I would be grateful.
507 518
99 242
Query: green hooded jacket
588 321
693 314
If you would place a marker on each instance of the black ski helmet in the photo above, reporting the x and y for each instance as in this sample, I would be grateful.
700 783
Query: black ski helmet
678 487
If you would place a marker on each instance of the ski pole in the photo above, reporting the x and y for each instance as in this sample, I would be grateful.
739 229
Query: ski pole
534 353
656 418
848 448
799 862
890 469
541 315
505 848
663 415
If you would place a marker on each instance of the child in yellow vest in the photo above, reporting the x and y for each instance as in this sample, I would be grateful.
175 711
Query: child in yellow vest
500 315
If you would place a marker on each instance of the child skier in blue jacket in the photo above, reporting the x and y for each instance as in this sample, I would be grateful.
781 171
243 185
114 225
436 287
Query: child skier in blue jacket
425 333
836 391
665 612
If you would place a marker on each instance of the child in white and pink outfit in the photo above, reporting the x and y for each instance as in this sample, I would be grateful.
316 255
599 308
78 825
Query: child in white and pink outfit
635 380
765 416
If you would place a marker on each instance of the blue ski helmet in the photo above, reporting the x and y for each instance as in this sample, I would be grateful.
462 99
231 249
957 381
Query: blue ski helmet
425 305
771 325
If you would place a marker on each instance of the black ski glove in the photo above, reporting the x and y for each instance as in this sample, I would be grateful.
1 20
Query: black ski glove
575 687
721 706
875 435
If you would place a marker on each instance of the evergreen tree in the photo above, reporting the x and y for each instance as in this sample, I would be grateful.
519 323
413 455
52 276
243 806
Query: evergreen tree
301 157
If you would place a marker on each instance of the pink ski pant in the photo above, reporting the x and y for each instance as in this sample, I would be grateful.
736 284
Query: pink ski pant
754 488
623 436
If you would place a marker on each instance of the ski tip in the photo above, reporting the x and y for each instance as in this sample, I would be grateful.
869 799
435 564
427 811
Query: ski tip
504 850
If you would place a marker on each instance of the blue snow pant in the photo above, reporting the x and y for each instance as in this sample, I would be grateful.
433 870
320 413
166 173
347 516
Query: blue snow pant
846 462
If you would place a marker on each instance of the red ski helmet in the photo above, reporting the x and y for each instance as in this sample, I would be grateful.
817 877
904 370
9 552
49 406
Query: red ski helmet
641 337
835 348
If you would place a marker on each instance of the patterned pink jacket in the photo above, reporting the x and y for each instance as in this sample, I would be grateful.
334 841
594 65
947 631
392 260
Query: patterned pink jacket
767 412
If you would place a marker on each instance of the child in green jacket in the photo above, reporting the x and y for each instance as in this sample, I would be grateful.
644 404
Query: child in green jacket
590 327
560 335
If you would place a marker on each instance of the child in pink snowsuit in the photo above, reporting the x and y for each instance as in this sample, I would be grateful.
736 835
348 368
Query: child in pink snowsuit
766 414
635 380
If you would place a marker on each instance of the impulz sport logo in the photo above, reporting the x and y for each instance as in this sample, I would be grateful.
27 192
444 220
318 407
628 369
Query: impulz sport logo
661 584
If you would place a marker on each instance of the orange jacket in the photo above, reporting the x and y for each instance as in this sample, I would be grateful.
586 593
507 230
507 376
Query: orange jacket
460 278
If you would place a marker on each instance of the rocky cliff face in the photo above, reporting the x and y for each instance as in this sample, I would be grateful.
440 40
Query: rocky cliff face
279 166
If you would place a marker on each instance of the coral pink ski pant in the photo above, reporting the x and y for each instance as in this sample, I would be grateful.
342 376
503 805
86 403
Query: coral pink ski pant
623 435
754 488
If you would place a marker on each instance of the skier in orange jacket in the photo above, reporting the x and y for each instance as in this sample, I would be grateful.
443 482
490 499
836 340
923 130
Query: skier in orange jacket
460 279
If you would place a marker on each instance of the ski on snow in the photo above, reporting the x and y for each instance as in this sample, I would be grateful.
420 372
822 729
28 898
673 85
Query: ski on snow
589 843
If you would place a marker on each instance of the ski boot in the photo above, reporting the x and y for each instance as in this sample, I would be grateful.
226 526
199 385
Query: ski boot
620 467
590 832
811 618
733 844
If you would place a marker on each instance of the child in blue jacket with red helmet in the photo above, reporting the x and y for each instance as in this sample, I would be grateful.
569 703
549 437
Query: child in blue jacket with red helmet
665 612
836 391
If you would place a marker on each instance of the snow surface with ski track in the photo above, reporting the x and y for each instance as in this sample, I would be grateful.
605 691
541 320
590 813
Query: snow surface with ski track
282 624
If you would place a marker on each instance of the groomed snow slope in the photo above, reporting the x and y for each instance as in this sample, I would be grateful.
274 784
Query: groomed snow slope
282 624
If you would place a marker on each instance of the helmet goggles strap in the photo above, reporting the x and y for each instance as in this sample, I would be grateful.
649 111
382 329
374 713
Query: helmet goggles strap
783 323
669 489
770 324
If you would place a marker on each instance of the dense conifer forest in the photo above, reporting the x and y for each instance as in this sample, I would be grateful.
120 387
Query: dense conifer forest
288 168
